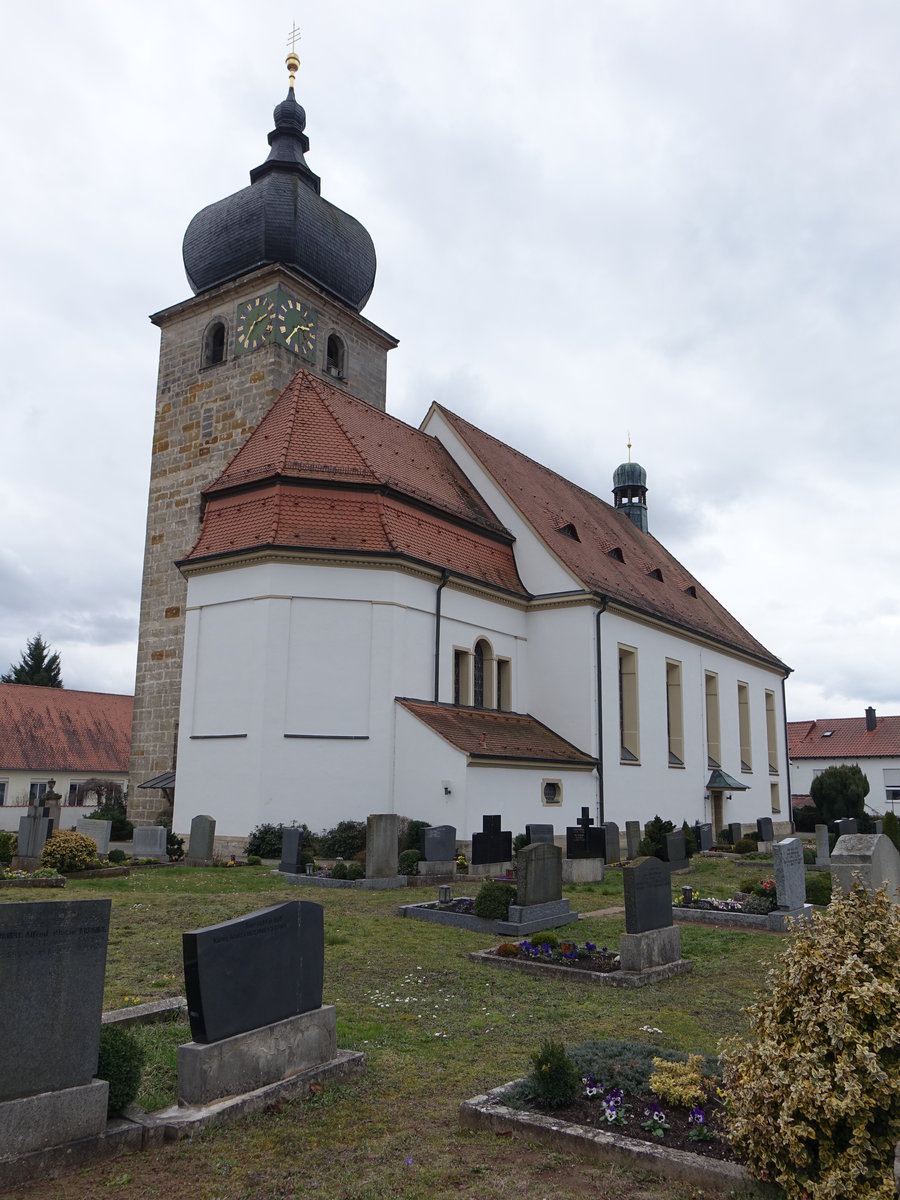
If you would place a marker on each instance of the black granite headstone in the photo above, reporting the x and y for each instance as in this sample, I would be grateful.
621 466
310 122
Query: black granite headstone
584 841
703 832
648 895
539 835
439 843
492 845
734 832
765 829
674 851
291 847
255 970
846 825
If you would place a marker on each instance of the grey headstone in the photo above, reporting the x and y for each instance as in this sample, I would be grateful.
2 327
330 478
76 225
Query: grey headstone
583 841
382 832
34 830
633 838
871 856
612 842
735 832
790 874
255 970
149 841
823 851
765 829
845 826
202 841
493 844
52 964
439 843
538 874
648 895
703 832
291 847
674 851
539 835
98 830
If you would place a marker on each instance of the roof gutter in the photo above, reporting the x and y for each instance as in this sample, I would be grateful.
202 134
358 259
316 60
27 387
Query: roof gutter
604 602
445 575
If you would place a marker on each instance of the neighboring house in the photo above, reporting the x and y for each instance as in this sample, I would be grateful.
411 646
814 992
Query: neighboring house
61 735
870 742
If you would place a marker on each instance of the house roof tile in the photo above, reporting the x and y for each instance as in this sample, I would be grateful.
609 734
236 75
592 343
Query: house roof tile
487 734
844 737
58 729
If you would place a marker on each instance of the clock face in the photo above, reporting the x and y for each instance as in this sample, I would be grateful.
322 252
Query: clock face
255 320
295 327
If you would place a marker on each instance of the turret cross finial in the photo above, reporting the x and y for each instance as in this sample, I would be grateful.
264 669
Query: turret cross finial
294 37
629 445
292 61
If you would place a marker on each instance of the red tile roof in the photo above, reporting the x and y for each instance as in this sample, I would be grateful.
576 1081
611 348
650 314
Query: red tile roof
844 737
487 734
57 729
608 553
324 471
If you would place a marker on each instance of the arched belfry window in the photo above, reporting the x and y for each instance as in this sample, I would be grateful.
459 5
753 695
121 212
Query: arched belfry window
335 357
214 344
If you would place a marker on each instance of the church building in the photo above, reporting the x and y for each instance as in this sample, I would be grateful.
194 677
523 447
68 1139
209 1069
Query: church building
343 614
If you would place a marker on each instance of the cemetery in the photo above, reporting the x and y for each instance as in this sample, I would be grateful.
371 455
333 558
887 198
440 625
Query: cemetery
244 999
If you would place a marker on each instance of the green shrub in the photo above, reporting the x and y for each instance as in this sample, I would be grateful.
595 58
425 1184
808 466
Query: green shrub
66 850
546 938
746 845
807 818
253 860
759 887
339 870
520 841
839 792
760 906
891 828
121 829
809 856
344 840
406 863
678 1083
814 1098
493 900
818 887
628 1065
655 836
117 856
121 1062
6 840
553 1081
355 870
409 834
690 840
265 840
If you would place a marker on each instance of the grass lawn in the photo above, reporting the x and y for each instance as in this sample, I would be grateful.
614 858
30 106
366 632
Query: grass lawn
436 1029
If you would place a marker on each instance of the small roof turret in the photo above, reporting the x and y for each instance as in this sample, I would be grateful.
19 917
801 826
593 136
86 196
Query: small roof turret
630 490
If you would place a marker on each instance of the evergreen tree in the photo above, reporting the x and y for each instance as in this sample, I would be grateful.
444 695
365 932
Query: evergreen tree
38 667
840 791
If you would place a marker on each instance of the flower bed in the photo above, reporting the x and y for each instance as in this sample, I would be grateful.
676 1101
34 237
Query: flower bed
21 879
564 954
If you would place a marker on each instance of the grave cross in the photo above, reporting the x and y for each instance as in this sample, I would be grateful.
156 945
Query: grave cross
585 820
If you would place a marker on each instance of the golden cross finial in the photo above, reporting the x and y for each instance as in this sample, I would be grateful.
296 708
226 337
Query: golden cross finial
292 61
629 445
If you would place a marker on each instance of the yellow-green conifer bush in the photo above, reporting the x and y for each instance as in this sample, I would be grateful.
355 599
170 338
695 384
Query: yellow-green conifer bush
814 1098
67 850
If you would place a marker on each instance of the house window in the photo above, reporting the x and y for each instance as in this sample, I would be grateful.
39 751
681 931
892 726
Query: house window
462 677
4 784
776 797
482 675
629 739
214 344
335 357
713 737
674 713
771 734
72 798
35 792
891 786
551 791
744 724
504 684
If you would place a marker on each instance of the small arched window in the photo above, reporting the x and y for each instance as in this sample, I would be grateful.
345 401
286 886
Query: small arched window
482 674
335 357
214 344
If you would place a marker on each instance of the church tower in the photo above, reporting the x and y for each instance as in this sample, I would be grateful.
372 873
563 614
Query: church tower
280 278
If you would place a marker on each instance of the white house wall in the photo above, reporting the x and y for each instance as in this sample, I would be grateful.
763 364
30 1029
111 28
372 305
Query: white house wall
804 771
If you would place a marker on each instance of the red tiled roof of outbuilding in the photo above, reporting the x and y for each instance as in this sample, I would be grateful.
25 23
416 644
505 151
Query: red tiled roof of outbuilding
608 553
844 737
485 733
59 729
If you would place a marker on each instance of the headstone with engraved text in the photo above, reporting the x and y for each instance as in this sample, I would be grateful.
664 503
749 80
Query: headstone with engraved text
765 829
703 832
201 842
790 874
149 841
584 841
98 831
674 852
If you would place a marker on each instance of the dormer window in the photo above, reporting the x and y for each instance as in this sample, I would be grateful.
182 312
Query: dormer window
214 344
335 357
656 573
616 553
570 531
690 590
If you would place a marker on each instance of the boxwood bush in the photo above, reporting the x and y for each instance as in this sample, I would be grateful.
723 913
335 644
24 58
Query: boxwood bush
66 850
493 900
121 1063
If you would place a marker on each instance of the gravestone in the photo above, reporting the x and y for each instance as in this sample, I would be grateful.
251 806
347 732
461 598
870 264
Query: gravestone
675 852
650 943
98 831
611 842
149 841
845 827
539 835
765 829
734 832
872 857
34 829
382 832
633 838
823 852
52 964
879 825
790 874
254 970
583 841
201 842
439 843
492 845
291 850
538 874
703 832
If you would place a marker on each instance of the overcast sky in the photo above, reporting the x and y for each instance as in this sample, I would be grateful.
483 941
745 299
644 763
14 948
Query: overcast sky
675 217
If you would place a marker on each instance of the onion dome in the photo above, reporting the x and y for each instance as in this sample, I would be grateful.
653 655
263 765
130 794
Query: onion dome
629 474
630 490
281 218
